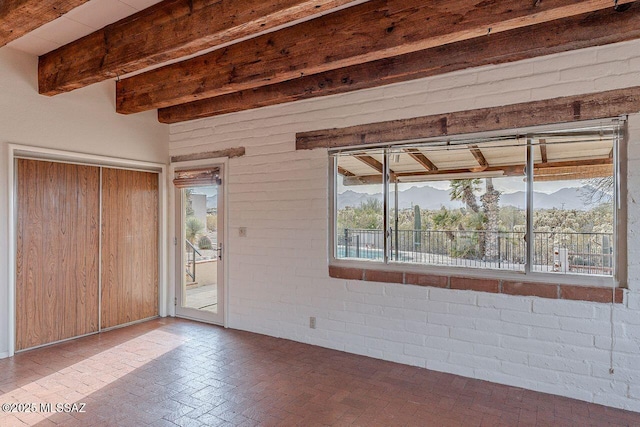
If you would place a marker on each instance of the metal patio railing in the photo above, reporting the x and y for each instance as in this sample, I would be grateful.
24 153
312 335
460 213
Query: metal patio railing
191 252
587 253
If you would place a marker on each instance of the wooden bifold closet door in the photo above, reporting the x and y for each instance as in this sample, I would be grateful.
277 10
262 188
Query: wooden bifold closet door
68 282
57 251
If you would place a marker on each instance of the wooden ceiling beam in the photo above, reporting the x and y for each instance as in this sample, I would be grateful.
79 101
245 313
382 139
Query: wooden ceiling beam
371 162
419 157
592 29
342 171
543 150
166 31
367 32
477 154
19 17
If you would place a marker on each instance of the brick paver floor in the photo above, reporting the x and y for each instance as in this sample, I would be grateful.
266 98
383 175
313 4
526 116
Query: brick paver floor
169 372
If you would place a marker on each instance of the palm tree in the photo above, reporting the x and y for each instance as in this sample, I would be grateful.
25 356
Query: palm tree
490 205
464 190
486 221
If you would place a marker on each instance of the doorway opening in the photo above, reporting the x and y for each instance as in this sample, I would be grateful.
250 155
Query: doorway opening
199 245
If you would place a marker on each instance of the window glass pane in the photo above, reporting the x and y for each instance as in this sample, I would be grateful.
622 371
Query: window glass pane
573 202
461 206
359 206
464 203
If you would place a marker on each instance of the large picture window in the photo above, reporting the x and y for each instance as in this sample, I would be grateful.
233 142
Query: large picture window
533 202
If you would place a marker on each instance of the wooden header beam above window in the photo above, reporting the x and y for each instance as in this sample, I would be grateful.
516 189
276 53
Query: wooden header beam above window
166 31
367 32
227 152
18 17
551 111
591 29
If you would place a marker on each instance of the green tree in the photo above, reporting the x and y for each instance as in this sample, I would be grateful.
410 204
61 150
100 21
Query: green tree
193 228
366 216
510 217
448 221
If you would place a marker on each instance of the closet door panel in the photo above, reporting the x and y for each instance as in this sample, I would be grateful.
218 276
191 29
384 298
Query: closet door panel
129 246
58 207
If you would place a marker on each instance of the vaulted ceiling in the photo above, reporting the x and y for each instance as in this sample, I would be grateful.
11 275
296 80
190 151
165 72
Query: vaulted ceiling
198 58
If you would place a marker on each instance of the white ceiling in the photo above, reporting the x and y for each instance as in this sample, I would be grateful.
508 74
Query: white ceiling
83 20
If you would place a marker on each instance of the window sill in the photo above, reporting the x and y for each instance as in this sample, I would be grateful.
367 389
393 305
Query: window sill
489 285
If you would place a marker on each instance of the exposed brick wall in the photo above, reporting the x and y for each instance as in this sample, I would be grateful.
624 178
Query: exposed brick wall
495 286
278 274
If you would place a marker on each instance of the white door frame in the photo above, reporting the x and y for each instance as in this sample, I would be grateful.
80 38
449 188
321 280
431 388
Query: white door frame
39 153
174 206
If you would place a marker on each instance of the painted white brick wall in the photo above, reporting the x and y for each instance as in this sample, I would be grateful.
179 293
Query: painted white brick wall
278 274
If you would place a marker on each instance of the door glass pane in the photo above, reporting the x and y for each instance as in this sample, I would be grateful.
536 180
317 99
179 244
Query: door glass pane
200 231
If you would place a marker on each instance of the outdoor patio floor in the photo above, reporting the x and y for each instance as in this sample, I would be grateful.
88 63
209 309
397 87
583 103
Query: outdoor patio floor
169 372
203 298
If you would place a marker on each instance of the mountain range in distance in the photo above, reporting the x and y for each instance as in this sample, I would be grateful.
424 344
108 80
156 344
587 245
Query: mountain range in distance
431 198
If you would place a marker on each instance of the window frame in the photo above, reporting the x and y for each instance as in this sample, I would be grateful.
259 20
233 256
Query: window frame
619 277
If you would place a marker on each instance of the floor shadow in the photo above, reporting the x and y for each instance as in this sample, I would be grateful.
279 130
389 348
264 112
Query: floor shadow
32 365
